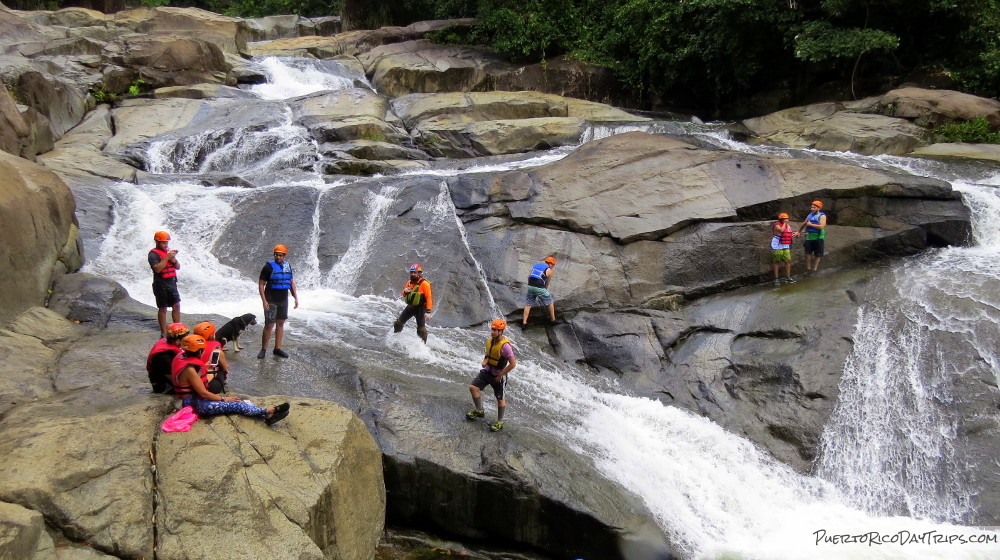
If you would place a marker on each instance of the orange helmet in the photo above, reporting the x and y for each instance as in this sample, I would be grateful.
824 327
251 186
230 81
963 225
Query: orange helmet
193 343
817 203
176 330
204 329
416 268
161 236
551 261
279 248
782 216
499 324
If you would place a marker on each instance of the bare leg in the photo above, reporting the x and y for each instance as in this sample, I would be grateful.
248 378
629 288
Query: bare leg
776 265
552 312
816 265
266 335
175 313
527 309
788 269
161 317
279 333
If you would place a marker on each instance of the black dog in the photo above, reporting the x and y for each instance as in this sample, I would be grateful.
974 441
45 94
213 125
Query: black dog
231 331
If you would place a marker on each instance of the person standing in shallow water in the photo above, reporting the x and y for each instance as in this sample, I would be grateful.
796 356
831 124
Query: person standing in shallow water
419 302
275 283
781 248
497 363
163 262
815 228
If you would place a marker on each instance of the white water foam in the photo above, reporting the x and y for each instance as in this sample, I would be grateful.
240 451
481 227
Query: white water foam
293 77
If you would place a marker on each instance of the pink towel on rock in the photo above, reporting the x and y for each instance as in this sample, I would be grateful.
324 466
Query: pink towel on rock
180 421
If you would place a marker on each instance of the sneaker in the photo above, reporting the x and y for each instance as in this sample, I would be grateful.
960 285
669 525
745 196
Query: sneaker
496 427
261 354
790 280
475 413
280 353
777 281
523 326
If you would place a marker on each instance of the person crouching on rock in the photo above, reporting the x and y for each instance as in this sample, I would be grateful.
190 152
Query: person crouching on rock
538 290
191 380
497 363
419 303
161 358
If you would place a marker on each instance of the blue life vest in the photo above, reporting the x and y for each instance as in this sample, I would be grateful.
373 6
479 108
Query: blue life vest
537 276
814 218
281 276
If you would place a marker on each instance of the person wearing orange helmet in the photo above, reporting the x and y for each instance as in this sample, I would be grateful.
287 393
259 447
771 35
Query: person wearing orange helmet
815 228
276 281
781 248
217 364
161 356
163 261
191 381
497 363
538 290
419 302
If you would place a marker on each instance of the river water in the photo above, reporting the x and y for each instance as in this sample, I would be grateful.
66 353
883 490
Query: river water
714 493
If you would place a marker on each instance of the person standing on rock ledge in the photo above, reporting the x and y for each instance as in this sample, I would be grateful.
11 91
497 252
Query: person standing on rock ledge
275 283
781 248
419 303
497 363
163 261
815 227
538 290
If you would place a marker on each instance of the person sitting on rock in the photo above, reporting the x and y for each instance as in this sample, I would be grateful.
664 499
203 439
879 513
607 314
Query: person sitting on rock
497 363
161 358
190 379
220 367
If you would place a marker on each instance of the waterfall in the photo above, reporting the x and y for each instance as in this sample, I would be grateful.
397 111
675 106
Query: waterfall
715 494
289 77
890 445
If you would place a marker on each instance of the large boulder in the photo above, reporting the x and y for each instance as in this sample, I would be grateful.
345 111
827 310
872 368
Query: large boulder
15 130
39 230
229 34
312 484
934 107
348 114
22 534
171 60
426 67
827 126
80 150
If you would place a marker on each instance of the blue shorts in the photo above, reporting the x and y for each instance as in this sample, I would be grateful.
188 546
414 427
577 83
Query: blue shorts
538 296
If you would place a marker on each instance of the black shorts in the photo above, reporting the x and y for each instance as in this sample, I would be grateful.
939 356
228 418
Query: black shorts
166 294
275 312
814 247
485 378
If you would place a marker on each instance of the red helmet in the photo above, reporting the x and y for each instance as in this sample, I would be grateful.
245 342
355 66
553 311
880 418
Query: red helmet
499 324
204 329
551 261
161 236
193 343
279 248
416 268
176 330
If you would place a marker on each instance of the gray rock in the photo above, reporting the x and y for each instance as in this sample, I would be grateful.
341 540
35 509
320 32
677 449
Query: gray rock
934 107
827 126
22 534
85 298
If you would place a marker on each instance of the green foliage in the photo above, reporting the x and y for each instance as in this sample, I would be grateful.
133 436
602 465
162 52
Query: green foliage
262 8
530 29
451 35
976 131
102 95
155 3
819 41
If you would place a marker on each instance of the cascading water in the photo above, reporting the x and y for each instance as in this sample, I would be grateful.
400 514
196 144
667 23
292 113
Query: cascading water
890 444
715 494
